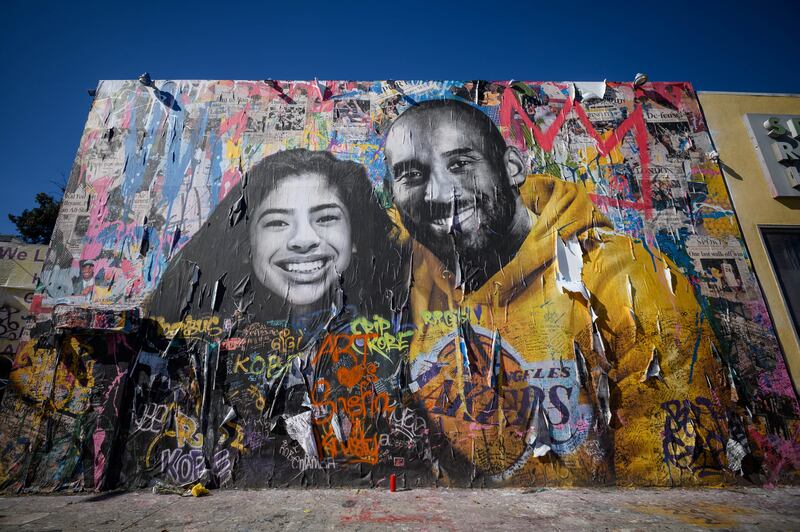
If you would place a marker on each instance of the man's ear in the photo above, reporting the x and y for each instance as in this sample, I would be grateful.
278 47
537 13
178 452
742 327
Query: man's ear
515 166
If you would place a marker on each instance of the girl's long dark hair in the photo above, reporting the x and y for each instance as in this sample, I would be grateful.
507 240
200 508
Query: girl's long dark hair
212 274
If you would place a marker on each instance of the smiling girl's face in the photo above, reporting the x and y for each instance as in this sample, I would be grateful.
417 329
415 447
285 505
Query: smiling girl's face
301 239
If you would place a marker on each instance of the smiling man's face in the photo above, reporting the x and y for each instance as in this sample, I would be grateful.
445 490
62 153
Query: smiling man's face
449 183
301 239
87 271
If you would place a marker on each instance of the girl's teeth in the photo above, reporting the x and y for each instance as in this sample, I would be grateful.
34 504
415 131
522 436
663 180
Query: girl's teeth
304 267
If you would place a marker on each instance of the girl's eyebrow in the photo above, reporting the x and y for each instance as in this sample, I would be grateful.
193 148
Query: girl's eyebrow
324 206
273 211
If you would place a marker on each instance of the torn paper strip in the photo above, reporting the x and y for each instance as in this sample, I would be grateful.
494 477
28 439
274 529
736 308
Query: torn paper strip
176 237
190 290
237 211
218 292
299 429
598 345
732 381
230 415
653 370
631 291
337 428
569 262
538 434
498 375
735 452
591 90
669 278
581 371
604 398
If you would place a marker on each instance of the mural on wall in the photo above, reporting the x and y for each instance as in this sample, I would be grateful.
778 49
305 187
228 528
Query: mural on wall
20 266
463 283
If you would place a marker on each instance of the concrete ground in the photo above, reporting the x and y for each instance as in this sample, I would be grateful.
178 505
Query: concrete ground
417 509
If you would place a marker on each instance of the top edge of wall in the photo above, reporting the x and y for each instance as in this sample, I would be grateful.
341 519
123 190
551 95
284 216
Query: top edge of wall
737 93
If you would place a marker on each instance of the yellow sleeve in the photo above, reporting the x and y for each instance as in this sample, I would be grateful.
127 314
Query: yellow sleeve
672 425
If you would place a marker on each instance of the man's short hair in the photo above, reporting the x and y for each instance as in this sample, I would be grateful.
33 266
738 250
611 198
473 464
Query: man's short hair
468 115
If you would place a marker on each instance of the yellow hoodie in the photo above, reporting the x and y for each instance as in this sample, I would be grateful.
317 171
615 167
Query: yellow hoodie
528 342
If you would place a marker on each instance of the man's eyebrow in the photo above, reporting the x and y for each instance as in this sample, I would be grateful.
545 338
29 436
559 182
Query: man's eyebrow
324 206
404 165
458 151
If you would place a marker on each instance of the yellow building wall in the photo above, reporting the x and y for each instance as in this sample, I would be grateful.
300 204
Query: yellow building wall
751 194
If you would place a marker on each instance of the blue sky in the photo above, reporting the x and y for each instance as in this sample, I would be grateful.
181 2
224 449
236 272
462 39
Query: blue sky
52 52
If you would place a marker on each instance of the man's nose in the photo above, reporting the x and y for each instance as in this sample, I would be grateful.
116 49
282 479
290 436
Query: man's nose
441 186
304 238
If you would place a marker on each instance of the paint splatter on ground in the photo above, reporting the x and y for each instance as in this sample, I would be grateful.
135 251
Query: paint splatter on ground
423 509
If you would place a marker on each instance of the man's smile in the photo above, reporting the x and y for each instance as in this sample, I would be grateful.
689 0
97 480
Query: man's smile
461 216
